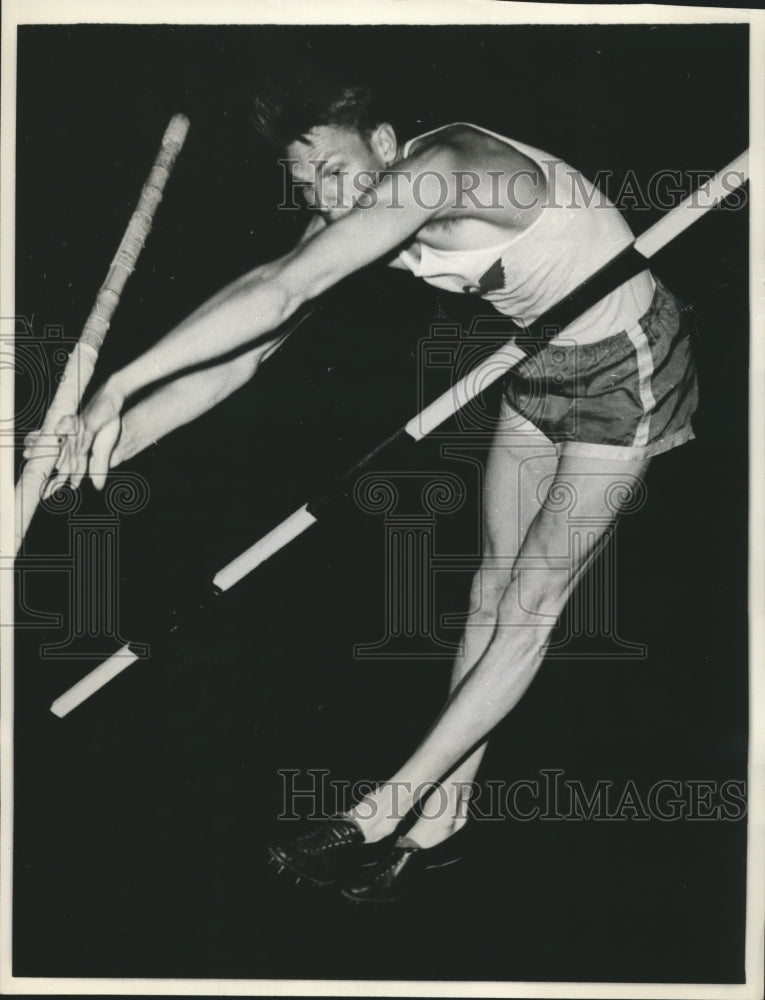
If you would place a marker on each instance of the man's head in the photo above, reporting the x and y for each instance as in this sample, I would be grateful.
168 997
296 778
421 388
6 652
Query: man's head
334 137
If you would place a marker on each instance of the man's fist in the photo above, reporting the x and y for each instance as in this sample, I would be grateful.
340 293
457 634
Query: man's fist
87 442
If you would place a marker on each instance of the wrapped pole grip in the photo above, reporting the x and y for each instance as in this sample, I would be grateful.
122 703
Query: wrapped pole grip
82 361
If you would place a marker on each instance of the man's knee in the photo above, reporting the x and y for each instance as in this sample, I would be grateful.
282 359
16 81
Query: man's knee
535 596
488 587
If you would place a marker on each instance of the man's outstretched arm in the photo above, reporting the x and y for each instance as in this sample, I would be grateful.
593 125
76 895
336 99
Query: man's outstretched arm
254 306
190 396
186 398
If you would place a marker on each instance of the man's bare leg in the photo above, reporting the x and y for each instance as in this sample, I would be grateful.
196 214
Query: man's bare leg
521 459
581 504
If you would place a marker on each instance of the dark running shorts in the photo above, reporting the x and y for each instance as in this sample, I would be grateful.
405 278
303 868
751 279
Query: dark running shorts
631 395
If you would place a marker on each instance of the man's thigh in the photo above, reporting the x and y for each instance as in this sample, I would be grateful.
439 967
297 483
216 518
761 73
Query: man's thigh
520 463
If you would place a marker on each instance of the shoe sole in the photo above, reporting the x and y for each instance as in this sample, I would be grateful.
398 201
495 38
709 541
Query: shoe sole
296 875
386 902
441 864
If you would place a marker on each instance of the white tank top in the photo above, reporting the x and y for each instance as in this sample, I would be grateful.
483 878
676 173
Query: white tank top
577 231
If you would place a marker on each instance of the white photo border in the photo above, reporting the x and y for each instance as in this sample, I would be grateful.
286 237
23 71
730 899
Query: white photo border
399 12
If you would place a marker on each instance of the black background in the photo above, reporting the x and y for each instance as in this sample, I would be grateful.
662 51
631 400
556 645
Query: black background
141 819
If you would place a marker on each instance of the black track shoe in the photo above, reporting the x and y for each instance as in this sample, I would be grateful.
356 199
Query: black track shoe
391 877
326 853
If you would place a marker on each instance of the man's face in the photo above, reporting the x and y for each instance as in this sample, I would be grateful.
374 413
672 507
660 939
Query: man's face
334 168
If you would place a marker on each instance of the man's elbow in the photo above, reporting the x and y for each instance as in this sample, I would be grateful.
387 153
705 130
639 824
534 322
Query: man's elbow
241 370
270 303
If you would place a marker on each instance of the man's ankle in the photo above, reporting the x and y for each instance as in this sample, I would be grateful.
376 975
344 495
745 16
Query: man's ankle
372 830
432 832
378 814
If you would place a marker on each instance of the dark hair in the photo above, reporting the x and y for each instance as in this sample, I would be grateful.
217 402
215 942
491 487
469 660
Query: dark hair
284 113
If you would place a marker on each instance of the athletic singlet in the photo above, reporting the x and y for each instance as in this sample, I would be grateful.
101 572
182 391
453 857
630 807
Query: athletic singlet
577 231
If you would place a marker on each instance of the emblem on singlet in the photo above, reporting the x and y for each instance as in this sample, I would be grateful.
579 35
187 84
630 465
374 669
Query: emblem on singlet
490 280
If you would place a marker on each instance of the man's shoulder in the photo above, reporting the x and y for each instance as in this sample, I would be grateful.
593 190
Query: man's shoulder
446 139
467 147
442 143
465 141
497 172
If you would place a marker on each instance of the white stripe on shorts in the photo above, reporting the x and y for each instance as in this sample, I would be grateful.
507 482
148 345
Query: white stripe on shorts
645 371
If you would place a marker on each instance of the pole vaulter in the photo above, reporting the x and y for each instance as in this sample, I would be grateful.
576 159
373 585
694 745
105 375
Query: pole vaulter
621 268
82 361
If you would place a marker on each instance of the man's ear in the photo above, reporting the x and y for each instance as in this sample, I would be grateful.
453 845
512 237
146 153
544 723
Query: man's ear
383 141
